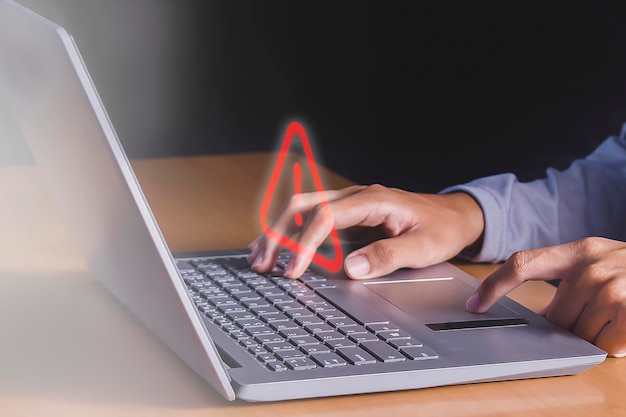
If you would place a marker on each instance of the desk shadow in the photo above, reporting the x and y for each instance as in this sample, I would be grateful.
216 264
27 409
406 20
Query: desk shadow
64 337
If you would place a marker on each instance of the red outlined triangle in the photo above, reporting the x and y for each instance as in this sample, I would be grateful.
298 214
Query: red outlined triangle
296 129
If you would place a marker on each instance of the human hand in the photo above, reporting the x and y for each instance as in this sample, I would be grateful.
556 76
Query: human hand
590 300
412 230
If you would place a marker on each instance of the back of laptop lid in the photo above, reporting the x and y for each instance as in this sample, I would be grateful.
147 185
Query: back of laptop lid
55 103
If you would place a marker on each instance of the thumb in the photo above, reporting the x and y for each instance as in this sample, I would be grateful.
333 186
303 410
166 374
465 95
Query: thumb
547 263
381 257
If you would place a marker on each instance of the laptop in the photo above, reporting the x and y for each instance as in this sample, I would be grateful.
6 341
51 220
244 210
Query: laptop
254 337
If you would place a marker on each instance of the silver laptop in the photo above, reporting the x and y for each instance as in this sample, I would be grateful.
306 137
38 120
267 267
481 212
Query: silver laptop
250 336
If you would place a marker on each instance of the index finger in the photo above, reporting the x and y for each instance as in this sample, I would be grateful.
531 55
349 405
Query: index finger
552 262
266 248
357 209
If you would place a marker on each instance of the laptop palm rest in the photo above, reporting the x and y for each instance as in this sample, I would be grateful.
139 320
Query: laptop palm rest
440 303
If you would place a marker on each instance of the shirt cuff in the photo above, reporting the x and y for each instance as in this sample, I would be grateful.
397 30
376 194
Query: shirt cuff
493 237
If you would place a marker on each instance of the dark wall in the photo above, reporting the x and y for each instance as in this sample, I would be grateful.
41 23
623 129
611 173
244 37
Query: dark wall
425 94
418 95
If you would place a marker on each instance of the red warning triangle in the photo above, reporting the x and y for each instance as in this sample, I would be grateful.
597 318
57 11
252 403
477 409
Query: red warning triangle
296 129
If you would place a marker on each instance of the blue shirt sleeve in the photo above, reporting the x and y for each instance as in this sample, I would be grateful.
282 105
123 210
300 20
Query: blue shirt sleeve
586 199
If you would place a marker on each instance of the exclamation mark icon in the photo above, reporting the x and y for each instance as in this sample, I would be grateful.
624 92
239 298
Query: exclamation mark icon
297 186
296 131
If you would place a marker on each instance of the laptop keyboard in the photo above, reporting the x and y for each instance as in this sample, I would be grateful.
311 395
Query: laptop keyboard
294 324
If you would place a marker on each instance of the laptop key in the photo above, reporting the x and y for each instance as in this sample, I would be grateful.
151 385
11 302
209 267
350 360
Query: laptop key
255 302
279 346
268 292
279 298
419 353
393 334
332 314
299 313
328 359
264 310
315 299
315 285
276 366
266 357
274 318
292 333
322 308
402 343
356 356
283 325
350 331
381 327
246 323
285 355
265 338
304 341
309 321
240 315
311 349
328 336
383 352
336 344
319 328
363 337
291 306
184 265
250 297
234 263
233 308
222 301
300 364
258 331
342 322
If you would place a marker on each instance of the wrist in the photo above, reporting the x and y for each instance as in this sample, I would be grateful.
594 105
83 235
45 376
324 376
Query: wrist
471 220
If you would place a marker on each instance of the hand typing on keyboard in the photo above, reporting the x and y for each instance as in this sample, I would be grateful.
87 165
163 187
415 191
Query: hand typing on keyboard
417 229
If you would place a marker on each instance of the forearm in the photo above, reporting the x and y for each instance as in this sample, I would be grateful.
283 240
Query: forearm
587 199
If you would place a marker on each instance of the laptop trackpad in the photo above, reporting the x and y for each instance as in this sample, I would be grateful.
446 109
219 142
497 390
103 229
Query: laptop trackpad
435 299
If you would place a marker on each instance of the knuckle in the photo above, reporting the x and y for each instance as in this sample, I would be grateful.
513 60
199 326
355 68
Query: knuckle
376 189
590 245
316 210
520 262
384 253
321 215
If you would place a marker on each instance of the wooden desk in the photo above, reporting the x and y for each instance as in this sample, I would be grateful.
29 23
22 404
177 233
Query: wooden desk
68 348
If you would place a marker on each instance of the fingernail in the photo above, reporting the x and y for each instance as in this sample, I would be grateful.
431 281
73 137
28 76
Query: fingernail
472 303
357 266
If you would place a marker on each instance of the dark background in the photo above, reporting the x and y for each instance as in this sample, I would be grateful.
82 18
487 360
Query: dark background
418 95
